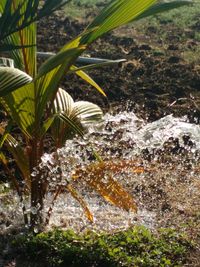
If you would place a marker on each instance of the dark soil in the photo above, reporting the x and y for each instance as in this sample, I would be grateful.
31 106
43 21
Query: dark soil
153 82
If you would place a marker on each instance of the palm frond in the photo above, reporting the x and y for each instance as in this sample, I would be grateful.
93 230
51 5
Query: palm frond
87 78
20 106
18 154
87 112
19 14
81 201
163 7
99 177
115 14
11 79
73 118
49 76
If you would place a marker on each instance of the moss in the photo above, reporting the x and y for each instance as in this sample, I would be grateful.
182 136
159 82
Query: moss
137 246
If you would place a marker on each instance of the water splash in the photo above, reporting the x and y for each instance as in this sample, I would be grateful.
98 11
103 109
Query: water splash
155 134
127 127
123 136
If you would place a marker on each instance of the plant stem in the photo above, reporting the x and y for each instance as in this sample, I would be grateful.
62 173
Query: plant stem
37 194
52 205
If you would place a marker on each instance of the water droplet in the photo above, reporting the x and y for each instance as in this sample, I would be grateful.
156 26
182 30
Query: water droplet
33 210
36 229
34 174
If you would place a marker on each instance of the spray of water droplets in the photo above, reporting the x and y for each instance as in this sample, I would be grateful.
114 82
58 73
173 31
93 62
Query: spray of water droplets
120 137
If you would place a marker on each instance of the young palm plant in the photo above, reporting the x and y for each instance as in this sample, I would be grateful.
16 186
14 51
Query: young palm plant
34 102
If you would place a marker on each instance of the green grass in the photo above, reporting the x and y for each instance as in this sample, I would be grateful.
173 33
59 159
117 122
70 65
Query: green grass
80 9
134 247
179 27
181 17
91 3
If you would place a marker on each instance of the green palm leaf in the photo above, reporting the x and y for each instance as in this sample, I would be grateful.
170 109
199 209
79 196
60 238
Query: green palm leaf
48 79
163 7
20 105
87 78
63 102
105 62
18 154
86 112
71 124
52 70
18 14
7 46
11 79
24 38
117 13
27 40
79 115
